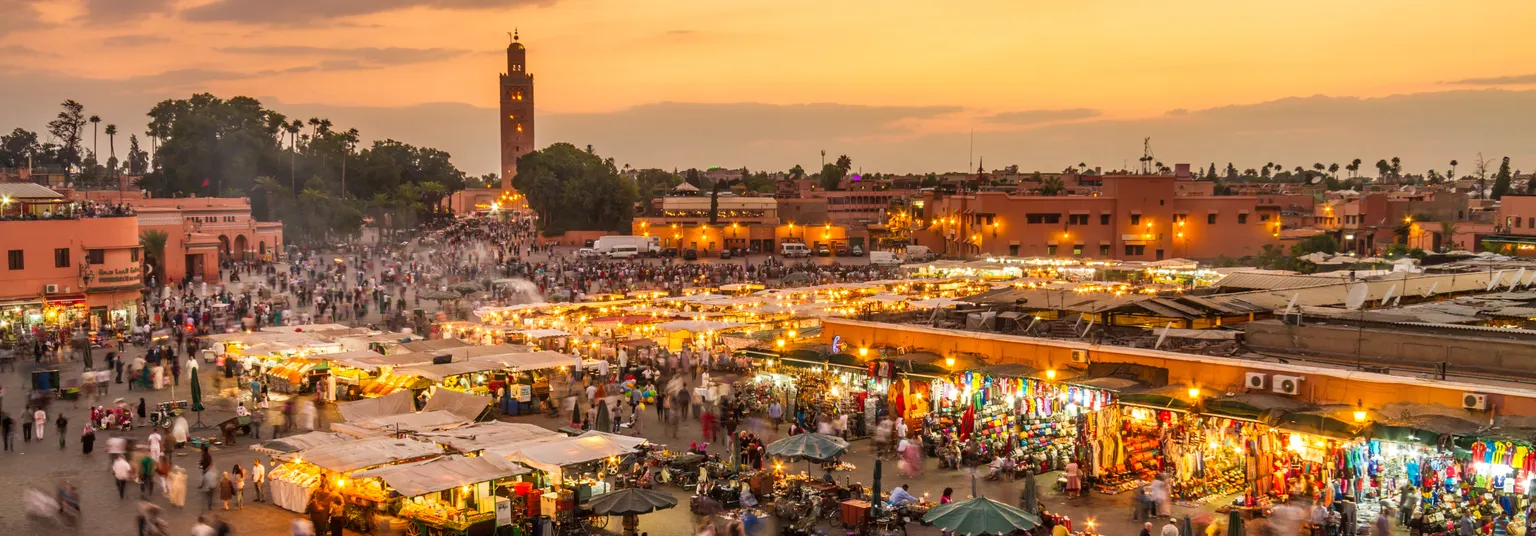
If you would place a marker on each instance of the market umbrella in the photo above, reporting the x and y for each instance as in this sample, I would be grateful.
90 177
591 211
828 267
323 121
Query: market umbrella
797 277
197 397
631 501
438 295
465 288
810 447
979 516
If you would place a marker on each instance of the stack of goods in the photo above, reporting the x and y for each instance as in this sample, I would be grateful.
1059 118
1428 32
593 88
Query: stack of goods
304 475
1215 484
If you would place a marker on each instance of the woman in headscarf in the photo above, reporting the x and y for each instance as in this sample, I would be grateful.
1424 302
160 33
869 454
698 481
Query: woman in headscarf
143 412
88 438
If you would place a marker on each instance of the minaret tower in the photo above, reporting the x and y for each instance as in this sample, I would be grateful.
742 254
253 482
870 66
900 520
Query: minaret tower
516 110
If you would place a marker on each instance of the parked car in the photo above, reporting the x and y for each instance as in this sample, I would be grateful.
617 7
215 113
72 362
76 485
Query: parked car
624 252
823 251
669 252
794 249
690 254
842 250
587 253
857 251
725 253
884 258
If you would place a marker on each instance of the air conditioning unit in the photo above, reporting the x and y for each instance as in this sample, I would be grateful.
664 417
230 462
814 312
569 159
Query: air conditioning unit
1475 401
1079 355
1286 385
1256 381
50 289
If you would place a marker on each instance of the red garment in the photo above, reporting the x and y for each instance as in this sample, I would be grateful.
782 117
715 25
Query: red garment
967 422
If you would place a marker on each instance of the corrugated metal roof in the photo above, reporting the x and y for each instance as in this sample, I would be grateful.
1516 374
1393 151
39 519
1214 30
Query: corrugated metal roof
27 190
1178 306
1335 293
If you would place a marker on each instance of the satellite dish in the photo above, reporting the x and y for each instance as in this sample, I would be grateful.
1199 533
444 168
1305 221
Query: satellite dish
1514 281
1431 291
1358 293
1494 281
1316 180
1390 293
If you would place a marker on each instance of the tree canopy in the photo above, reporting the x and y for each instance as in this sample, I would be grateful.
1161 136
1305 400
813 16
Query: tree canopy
575 190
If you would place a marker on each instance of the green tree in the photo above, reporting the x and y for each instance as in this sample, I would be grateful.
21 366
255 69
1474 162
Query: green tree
138 160
68 128
831 176
796 173
931 180
1051 186
844 163
153 241
1448 235
575 190
17 147
1323 243
1334 169
1383 169
1501 180
651 183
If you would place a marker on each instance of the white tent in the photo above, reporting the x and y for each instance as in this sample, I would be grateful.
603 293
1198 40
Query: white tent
551 456
537 360
366 453
439 474
483 435
696 326
394 403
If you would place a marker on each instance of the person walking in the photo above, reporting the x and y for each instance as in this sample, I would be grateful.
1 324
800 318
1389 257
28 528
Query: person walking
338 510
61 424
209 486
122 471
87 439
7 424
258 478
226 489
237 475
40 422
146 475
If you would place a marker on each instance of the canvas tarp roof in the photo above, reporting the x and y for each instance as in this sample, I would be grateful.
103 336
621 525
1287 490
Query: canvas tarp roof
695 326
404 422
551 456
445 473
299 443
465 405
370 408
354 358
537 360
1201 334
437 345
483 435
392 360
366 453
541 333
438 373
629 442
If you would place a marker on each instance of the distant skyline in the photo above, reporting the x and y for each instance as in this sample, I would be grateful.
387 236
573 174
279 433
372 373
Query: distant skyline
898 86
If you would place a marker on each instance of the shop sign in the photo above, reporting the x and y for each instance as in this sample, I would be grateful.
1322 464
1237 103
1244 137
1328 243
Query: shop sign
503 512
131 274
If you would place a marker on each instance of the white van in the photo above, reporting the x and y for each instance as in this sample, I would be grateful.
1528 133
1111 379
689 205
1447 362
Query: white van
919 253
883 258
623 252
794 250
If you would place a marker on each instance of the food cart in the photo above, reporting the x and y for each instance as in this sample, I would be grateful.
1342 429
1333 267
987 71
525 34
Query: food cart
572 471
444 496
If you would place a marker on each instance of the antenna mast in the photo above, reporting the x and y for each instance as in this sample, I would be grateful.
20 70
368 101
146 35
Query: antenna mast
1146 156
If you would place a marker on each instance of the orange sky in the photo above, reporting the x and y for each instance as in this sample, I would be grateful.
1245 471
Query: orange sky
1122 58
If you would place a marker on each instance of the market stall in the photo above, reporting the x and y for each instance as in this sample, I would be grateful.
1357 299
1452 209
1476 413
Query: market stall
447 495
329 466
1039 424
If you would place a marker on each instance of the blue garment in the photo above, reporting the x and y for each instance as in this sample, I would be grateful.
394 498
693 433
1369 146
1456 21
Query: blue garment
899 496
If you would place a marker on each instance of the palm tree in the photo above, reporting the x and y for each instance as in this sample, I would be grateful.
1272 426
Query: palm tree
293 153
95 128
1052 186
348 140
1447 235
153 241
1334 169
1452 175
112 145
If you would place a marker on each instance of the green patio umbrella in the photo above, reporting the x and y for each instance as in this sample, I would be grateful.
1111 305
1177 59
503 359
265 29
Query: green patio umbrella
810 447
979 516
197 398
631 501
1234 523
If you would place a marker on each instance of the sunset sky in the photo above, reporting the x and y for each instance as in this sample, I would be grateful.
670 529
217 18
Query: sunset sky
897 85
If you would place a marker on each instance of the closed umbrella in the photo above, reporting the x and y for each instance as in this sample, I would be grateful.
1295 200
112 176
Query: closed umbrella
1030 499
980 516
603 422
197 398
810 447
1235 523
875 492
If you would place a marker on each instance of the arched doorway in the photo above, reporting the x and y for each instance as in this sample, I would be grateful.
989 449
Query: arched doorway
261 247
224 252
241 247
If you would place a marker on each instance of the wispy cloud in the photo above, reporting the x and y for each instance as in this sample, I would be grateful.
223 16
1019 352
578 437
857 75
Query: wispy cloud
359 58
1038 117
121 11
1510 80
312 11
134 40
